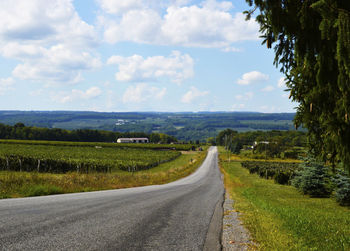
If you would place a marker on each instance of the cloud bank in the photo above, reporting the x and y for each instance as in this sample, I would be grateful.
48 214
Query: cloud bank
177 67
48 38
210 24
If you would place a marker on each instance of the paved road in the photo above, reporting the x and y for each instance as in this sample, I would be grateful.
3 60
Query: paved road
175 216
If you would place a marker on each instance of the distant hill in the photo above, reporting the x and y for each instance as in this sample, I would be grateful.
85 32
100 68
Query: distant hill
182 125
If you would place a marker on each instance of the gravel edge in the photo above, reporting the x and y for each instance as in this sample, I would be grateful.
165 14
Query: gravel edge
234 235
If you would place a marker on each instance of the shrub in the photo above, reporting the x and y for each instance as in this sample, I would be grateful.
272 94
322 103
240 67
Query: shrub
282 177
313 179
342 193
291 153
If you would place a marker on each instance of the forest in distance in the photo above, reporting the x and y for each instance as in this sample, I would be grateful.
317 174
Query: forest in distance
184 126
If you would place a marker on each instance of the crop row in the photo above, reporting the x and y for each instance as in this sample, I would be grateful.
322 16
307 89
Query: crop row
281 172
62 159
178 147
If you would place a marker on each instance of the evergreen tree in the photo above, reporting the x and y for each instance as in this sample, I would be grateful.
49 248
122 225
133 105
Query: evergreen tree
313 179
312 47
342 193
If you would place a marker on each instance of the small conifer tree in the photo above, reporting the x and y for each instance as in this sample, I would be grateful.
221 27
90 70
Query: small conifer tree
342 193
313 179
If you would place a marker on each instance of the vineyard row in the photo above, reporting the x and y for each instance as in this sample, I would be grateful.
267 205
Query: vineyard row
281 172
62 159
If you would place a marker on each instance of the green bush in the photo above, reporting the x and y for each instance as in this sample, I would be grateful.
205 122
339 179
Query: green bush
282 177
313 179
342 193
292 153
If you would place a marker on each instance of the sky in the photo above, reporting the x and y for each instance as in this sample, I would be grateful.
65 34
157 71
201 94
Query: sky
135 55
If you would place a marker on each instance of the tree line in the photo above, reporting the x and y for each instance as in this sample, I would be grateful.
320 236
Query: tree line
270 143
20 131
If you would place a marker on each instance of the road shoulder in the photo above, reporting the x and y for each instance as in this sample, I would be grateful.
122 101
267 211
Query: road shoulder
234 235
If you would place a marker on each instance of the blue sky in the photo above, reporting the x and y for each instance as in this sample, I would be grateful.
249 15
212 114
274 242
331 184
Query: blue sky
135 55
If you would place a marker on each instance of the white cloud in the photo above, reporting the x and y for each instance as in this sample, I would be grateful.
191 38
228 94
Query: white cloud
177 67
192 94
21 51
48 38
268 88
215 5
142 92
180 2
58 64
76 94
203 27
6 85
119 6
245 96
210 25
252 77
141 26
281 83
43 22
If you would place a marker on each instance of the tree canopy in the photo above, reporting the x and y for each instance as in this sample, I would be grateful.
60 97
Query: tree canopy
311 40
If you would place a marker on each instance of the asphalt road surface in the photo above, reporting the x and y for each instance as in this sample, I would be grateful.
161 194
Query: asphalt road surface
182 215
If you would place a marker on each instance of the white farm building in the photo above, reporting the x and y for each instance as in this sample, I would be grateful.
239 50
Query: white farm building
132 140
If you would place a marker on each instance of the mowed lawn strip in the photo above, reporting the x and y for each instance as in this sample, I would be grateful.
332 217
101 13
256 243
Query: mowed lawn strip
280 218
22 184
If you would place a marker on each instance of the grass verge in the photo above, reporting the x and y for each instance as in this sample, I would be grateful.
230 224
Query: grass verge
280 218
23 184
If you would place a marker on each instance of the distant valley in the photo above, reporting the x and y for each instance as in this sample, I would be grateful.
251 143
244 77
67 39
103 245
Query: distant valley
182 125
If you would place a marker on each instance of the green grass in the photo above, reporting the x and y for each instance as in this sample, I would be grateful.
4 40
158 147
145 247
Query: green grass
39 189
23 184
280 218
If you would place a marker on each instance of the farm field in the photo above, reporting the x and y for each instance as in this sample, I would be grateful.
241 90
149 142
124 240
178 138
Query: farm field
279 217
34 169
180 147
65 158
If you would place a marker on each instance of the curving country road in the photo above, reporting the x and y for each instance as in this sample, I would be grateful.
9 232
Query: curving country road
182 215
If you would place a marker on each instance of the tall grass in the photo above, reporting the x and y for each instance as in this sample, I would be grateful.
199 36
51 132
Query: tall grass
280 218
